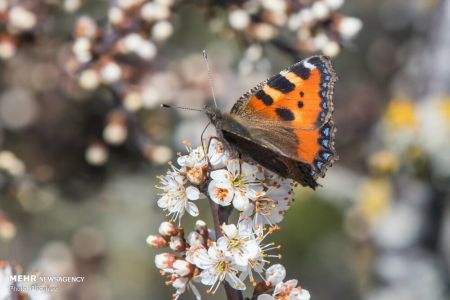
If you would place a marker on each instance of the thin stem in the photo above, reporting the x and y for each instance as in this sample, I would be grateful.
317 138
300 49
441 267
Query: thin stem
220 215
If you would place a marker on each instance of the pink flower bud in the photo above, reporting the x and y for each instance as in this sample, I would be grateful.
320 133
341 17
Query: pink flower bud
177 244
164 260
200 225
195 239
168 229
182 267
156 241
180 284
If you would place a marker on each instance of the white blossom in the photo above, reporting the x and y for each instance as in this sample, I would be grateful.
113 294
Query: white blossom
275 274
270 207
216 266
239 19
21 19
349 27
176 197
162 30
287 290
111 72
237 184
195 158
239 242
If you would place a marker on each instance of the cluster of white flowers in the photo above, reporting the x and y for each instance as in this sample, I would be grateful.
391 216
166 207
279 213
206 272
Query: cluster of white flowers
19 19
123 35
257 193
317 25
238 254
15 21
135 29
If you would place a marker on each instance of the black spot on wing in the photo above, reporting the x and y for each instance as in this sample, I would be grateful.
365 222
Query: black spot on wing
301 71
285 114
300 104
266 99
316 61
281 84
302 94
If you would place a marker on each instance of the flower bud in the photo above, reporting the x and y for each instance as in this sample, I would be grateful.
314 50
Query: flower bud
177 244
156 241
196 175
164 260
167 229
200 225
300 294
180 284
182 267
275 274
348 27
195 239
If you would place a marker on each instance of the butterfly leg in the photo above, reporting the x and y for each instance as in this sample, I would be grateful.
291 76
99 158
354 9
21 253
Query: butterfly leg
203 145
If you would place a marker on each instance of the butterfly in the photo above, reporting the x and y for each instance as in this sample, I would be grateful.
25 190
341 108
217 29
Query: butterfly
285 123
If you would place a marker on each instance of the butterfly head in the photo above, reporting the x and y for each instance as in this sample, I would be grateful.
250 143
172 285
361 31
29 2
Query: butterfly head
214 115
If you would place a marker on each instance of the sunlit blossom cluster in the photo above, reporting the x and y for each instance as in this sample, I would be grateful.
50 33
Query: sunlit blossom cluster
16 21
236 253
256 193
20 20
316 25
113 53
118 55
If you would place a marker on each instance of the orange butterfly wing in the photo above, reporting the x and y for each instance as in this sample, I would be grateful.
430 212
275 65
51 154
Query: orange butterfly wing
298 99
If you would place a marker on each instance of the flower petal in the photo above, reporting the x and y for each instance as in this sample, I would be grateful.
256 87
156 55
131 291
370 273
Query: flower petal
220 175
163 202
265 297
230 230
222 243
239 259
235 282
240 202
220 195
299 294
275 274
192 193
192 209
234 167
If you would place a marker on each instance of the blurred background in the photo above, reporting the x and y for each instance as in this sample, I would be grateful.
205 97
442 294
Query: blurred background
82 136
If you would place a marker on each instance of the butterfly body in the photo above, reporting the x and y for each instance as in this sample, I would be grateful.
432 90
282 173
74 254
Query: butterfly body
284 123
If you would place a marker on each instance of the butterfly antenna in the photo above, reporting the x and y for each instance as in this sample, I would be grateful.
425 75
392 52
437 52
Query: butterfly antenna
205 57
180 107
